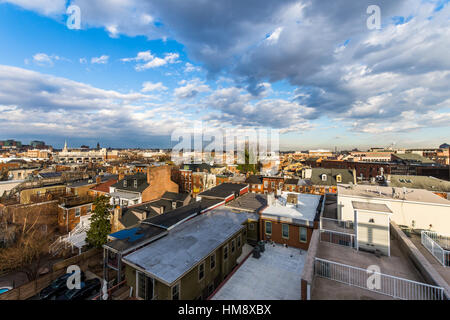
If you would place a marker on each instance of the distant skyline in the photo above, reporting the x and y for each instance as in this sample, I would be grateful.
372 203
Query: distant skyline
136 70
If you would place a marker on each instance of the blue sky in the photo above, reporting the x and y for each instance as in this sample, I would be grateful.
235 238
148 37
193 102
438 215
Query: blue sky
137 70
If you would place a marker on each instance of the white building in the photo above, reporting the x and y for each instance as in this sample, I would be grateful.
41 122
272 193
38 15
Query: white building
415 208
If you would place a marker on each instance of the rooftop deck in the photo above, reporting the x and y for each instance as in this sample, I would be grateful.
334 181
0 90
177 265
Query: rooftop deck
274 276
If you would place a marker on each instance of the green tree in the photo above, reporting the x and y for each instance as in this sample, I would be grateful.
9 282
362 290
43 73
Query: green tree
100 222
247 167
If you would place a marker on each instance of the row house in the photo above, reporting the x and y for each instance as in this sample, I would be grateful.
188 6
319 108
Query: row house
291 218
138 188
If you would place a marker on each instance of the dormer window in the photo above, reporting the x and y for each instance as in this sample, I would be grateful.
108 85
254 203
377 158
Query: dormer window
324 177
338 178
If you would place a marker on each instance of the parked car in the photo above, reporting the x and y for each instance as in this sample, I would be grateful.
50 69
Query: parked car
88 289
5 289
57 287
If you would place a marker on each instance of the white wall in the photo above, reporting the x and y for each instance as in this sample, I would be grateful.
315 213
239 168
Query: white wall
424 214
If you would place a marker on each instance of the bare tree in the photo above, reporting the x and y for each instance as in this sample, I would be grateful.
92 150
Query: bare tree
29 251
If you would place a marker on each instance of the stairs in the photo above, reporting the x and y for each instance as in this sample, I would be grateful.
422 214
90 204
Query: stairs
76 237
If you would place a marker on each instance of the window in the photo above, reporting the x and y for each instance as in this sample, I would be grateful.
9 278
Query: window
273 184
266 184
89 208
239 241
77 212
285 231
212 262
338 178
144 286
135 183
201 271
124 183
233 246
268 227
303 234
225 252
324 177
251 226
176 292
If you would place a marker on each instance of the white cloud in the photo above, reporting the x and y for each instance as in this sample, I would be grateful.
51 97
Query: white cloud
83 60
152 61
189 67
100 60
47 7
274 36
43 59
190 88
150 86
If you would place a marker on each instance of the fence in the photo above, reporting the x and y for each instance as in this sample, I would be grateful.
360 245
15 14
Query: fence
32 288
336 225
339 238
432 241
395 287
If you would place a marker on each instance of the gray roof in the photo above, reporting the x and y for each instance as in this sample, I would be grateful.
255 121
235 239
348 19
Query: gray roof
420 182
171 257
141 183
368 206
412 157
316 176
252 202
223 191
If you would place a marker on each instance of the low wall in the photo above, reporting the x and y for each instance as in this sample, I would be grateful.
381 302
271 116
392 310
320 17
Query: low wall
307 279
420 262
81 260
32 288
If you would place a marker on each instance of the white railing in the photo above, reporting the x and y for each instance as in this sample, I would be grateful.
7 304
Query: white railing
336 225
339 238
395 287
65 240
430 240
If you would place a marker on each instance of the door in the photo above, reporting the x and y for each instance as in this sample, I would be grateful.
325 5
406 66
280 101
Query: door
144 286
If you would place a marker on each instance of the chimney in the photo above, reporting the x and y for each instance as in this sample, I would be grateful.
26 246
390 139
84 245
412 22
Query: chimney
354 176
116 217
149 175
121 176
98 180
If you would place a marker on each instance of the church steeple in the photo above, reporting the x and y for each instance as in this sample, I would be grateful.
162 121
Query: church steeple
65 146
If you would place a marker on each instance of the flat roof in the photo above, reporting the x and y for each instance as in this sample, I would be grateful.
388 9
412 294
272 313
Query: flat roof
274 276
367 206
304 212
380 192
170 219
223 191
252 202
130 238
185 246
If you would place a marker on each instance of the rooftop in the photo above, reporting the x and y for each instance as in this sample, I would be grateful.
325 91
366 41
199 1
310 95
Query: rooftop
420 182
397 194
274 276
374 207
171 257
304 211
252 202
223 191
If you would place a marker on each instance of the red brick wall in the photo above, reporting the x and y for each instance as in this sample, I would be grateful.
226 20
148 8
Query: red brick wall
294 235
160 180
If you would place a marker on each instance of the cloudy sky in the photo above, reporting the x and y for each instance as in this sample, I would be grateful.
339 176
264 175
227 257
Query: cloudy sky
138 69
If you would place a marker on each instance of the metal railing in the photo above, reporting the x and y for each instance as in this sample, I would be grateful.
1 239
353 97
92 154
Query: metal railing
395 287
339 238
337 225
432 242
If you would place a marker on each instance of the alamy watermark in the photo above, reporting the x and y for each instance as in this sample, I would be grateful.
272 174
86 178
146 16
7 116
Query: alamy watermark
225 146
74 17
374 280
374 20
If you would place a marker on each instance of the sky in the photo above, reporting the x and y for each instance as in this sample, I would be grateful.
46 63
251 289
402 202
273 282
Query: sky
136 70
